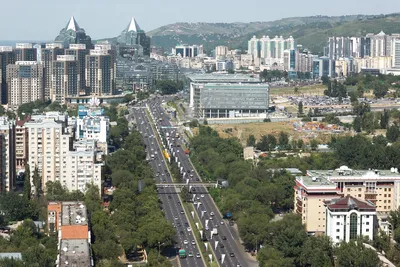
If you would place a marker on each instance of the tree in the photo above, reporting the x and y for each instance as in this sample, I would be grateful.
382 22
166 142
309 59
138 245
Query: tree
296 90
354 254
283 140
121 178
380 88
300 107
357 124
271 257
37 183
384 120
353 97
251 141
360 108
185 195
313 144
300 143
325 80
27 183
317 251
393 133
194 123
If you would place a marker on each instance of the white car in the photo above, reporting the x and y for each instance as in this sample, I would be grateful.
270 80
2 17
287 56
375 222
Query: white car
201 195
189 229
185 242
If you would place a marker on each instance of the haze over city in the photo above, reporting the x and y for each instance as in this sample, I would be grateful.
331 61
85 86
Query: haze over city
41 20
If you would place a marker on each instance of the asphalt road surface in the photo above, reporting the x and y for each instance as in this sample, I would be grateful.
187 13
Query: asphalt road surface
170 201
227 240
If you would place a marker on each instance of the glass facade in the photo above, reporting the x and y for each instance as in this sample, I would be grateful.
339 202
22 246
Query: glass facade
353 226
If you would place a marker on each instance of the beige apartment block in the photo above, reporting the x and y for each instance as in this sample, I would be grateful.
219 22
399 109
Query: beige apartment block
380 187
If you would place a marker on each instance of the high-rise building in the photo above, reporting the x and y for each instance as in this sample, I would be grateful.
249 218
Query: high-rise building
25 52
396 54
221 51
48 55
7 56
188 50
21 144
73 34
49 141
80 52
64 78
7 146
99 73
133 35
25 82
265 47
253 47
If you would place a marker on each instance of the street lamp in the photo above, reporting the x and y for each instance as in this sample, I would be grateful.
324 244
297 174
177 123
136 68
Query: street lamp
159 244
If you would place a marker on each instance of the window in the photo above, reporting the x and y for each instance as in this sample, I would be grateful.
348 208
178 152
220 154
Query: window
353 226
359 189
367 223
337 237
367 230
337 230
337 223
359 195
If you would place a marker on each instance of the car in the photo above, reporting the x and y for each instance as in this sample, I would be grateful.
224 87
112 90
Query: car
185 242
198 255
190 254
201 195
193 242
207 228
211 213
197 179
191 176
232 254
178 224
194 202
221 245
177 151
186 224
182 212
182 232
173 225
176 218
223 237
179 203
157 175
222 222
169 197
197 198
189 229
159 165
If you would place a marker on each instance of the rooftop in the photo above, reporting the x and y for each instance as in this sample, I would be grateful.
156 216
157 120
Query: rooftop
74 213
74 252
11 255
344 173
237 86
315 183
222 77
350 203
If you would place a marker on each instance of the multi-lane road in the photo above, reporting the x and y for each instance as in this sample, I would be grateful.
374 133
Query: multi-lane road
169 199
225 244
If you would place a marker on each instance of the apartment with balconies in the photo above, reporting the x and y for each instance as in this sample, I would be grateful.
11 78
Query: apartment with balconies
7 135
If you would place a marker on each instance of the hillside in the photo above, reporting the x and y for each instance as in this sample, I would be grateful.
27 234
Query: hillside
311 32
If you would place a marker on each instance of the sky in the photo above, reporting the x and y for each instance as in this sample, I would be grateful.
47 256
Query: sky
43 19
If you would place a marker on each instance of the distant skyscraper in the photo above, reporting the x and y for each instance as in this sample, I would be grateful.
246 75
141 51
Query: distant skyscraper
188 50
25 52
25 80
99 73
7 56
73 34
48 55
396 54
134 35
265 47
253 47
80 52
64 78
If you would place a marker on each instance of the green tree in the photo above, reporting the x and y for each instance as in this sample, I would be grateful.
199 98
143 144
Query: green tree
393 133
384 120
353 97
300 107
251 141
380 88
27 183
185 195
313 144
271 257
121 178
325 80
194 123
360 109
317 251
37 183
296 89
300 143
380 140
354 254
357 124
283 140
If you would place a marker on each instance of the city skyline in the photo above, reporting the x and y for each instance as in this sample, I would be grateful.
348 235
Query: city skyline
91 15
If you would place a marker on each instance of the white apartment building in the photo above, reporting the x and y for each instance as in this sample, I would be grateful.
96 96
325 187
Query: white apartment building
221 51
83 165
93 128
48 142
396 54
25 81
349 218
7 157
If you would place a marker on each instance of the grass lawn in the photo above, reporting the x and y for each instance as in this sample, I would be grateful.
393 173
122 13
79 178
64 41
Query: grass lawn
316 89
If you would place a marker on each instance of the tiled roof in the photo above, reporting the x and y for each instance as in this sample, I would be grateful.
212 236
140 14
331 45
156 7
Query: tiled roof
349 203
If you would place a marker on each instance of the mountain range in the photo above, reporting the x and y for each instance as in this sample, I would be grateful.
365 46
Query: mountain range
311 32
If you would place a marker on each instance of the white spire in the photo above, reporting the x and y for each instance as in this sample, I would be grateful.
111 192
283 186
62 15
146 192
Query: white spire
72 24
133 26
